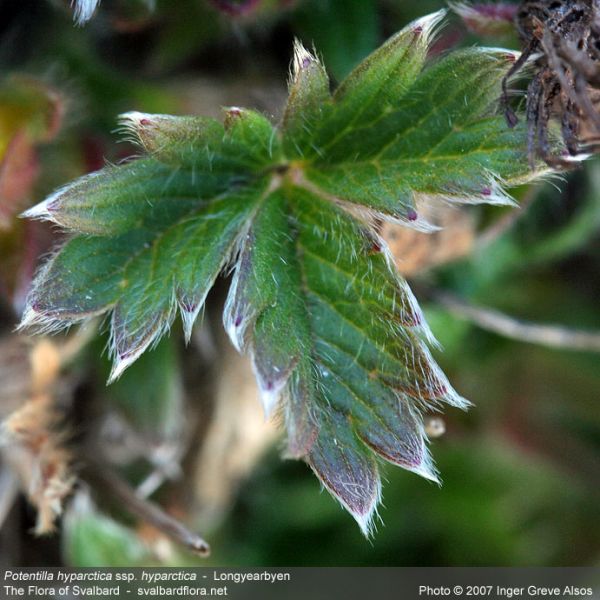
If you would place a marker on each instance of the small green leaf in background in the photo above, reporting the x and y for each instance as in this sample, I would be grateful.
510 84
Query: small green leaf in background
338 342
93 539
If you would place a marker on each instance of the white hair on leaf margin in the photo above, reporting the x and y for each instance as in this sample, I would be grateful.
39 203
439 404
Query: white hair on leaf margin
84 9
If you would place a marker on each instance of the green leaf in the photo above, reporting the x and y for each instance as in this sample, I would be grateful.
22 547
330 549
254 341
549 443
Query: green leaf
383 77
355 371
142 275
442 139
93 539
338 342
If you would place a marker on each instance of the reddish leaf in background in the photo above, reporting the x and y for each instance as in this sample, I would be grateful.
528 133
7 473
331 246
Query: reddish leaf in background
487 19
19 251
93 150
235 9
30 113
19 169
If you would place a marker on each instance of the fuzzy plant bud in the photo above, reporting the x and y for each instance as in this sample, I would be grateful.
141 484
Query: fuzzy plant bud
169 138
309 92
389 70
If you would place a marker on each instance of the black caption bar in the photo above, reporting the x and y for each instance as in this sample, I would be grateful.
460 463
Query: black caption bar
302 583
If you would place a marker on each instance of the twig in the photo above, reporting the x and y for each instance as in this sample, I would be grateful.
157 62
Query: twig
554 336
146 510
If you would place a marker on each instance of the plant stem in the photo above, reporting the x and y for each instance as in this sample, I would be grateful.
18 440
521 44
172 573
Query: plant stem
554 336
146 510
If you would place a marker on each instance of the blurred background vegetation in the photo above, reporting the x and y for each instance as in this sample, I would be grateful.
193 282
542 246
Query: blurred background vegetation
184 426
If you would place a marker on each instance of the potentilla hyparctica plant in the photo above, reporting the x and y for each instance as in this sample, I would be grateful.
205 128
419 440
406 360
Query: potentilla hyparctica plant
337 339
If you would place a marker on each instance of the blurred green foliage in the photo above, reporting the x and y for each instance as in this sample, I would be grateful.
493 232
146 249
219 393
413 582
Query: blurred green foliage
91 539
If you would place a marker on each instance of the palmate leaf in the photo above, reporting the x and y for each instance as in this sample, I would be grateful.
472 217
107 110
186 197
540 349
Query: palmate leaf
338 343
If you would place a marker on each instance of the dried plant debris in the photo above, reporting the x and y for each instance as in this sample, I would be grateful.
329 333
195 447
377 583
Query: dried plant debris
33 440
562 39
37 452
415 252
